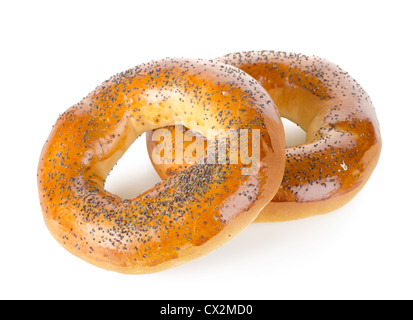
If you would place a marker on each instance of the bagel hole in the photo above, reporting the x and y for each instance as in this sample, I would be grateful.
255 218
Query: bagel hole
133 173
294 135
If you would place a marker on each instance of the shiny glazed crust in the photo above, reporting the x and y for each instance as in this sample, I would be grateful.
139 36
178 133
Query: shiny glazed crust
343 140
181 218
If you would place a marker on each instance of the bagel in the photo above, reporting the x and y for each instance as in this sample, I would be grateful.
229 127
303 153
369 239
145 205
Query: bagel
183 217
343 140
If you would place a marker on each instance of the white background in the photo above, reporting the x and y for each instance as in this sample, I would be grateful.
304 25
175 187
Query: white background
54 53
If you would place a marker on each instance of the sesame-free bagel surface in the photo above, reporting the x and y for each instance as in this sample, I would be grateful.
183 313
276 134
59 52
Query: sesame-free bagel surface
180 218
343 141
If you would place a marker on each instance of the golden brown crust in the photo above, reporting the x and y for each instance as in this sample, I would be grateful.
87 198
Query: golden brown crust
343 138
181 218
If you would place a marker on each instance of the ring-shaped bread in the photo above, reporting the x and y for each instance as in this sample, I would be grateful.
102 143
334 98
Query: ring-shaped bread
183 217
343 140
